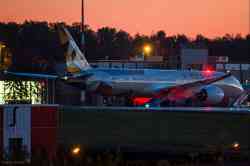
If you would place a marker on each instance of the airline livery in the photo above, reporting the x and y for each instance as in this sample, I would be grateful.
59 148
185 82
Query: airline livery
148 87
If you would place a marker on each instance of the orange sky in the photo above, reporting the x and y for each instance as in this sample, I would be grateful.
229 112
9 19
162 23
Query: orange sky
208 17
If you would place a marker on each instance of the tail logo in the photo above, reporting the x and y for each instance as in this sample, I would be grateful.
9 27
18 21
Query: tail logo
75 60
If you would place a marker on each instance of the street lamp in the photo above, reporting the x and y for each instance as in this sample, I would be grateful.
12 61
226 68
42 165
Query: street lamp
82 28
147 49
2 46
76 151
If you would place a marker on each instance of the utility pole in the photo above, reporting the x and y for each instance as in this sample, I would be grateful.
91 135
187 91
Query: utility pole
82 25
82 28
83 92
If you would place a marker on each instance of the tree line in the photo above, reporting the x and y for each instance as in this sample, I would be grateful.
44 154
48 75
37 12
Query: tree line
35 45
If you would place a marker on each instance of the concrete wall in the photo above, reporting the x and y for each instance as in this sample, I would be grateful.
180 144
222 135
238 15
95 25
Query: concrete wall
154 130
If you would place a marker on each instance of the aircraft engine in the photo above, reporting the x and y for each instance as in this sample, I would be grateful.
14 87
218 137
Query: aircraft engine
210 95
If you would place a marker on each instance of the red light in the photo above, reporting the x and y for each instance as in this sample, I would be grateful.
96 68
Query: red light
208 71
140 100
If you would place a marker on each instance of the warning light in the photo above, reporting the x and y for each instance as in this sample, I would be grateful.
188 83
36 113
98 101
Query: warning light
65 78
147 105
236 146
147 49
76 150
140 100
208 71
2 46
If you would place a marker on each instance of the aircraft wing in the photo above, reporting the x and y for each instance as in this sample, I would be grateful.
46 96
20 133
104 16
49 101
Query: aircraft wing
83 75
31 75
184 90
191 84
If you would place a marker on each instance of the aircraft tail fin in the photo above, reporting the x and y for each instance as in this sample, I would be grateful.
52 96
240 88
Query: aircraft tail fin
75 59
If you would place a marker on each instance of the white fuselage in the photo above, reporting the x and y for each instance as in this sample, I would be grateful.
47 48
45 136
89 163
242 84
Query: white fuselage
144 82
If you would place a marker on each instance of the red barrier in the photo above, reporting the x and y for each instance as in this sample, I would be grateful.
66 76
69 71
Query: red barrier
44 128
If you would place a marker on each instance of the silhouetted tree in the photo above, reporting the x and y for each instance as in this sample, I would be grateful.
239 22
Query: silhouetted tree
122 45
35 45
182 39
160 42
91 44
106 42
201 41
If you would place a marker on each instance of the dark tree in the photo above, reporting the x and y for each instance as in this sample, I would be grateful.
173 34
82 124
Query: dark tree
122 45
106 42
35 45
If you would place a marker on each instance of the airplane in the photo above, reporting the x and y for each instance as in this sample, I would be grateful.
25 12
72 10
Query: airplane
145 87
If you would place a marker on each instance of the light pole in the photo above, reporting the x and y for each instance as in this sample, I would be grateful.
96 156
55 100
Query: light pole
146 50
82 25
82 28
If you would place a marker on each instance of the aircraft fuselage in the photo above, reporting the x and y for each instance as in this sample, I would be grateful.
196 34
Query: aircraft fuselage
145 82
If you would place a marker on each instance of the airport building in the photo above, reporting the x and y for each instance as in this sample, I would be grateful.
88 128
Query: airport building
194 58
25 130
22 90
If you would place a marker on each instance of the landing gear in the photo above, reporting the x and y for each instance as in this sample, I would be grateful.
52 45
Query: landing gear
189 102
113 100
120 100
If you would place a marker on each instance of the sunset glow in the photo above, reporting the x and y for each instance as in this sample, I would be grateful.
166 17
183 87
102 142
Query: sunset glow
208 17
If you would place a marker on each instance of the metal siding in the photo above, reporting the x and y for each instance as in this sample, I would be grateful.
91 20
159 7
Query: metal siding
21 129
44 128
